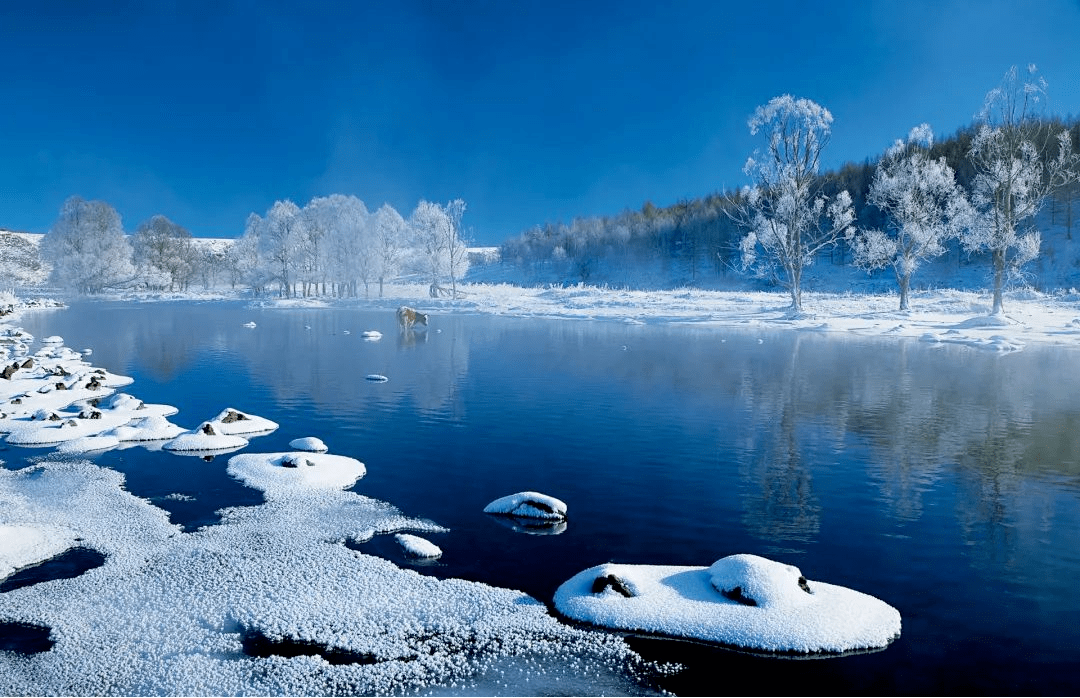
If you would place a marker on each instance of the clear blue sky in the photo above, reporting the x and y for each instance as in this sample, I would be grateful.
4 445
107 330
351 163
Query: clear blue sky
529 111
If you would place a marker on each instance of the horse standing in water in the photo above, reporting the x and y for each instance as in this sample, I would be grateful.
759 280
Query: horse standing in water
407 317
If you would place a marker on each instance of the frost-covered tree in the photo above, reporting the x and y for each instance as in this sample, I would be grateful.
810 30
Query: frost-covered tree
164 253
784 213
924 205
87 247
1016 168
436 230
391 240
248 258
282 243
20 262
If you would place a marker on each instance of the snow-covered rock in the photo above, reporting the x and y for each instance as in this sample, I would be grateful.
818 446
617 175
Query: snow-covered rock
415 546
309 443
232 421
376 378
371 335
205 438
743 601
528 505
150 428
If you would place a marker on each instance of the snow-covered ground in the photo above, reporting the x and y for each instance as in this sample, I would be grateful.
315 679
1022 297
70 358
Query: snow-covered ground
958 317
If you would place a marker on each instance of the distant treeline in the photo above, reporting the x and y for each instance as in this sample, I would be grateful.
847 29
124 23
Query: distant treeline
696 238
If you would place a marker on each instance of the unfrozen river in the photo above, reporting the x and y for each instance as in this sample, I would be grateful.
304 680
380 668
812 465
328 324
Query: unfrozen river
942 479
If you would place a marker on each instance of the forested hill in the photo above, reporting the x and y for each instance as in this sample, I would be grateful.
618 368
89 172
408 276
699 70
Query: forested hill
695 242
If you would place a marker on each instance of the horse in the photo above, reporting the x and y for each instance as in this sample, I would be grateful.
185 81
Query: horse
407 317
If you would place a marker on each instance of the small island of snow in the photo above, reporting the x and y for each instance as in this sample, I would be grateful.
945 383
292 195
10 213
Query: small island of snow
741 601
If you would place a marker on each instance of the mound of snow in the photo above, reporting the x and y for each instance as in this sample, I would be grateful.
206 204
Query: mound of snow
233 422
309 443
376 378
89 444
281 474
371 335
205 438
741 601
415 546
55 339
150 428
528 505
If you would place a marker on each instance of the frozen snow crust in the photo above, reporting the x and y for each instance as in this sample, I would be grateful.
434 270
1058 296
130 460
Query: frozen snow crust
171 613
742 601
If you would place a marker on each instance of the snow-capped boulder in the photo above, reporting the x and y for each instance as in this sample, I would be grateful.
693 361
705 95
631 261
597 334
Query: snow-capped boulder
371 335
757 581
54 339
376 378
415 546
742 601
232 421
205 438
309 443
528 505
150 428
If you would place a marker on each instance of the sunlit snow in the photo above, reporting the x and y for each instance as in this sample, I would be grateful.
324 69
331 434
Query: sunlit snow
742 600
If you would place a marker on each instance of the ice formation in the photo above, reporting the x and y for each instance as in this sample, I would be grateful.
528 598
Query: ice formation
742 601
23 545
371 335
202 612
376 378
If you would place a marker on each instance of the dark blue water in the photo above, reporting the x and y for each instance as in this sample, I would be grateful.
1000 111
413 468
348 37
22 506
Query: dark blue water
942 479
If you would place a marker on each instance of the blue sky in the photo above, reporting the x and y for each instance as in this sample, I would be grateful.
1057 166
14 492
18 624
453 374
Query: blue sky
529 111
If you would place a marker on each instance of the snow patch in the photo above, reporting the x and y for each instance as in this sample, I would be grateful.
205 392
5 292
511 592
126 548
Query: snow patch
742 601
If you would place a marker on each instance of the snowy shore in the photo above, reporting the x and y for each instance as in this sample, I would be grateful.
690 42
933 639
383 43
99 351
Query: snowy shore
947 316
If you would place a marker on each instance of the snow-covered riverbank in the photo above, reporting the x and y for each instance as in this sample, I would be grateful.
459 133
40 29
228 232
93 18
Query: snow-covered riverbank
946 315
959 317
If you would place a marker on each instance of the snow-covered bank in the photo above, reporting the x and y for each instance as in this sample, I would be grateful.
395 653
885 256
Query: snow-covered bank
947 316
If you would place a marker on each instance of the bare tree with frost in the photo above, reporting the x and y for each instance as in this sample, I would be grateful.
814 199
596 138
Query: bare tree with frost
391 234
436 230
164 253
282 241
1016 167
923 202
87 247
787 218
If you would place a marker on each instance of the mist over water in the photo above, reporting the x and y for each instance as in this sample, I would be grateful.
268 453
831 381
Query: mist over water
942 479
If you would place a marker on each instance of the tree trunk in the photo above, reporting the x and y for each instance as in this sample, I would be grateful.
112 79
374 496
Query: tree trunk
999 280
